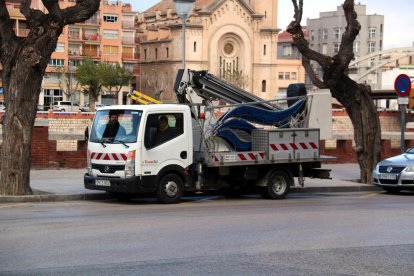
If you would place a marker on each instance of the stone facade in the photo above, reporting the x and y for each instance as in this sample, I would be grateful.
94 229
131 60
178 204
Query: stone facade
223 37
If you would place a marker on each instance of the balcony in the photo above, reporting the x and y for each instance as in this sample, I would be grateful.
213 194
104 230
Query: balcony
129 40
91 21
130 57
130 24
92 37
74 53
74 36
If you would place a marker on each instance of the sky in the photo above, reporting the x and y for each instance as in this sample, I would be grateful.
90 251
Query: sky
398 16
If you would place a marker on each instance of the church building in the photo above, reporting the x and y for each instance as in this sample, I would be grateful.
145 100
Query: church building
233 39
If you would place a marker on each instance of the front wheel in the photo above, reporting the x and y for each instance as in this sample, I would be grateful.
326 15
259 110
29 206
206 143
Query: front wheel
170 189
277 184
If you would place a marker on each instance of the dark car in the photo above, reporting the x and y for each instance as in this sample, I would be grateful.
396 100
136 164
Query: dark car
396 173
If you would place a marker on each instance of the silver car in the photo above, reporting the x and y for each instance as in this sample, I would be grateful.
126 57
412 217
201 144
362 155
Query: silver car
396 173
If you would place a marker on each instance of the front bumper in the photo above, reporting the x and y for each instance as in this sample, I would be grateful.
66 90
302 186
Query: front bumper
132 185
403 180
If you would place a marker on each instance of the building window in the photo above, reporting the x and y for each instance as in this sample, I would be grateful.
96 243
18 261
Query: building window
145 54
324 49
110 50
287 51
167 51
336 47
264 49
195 47
110 18
371 47
156 53
324 34
110 34
313 35
371 32
60 48
294 75
337 33
263 86
355 47
56 62
281 75
287 75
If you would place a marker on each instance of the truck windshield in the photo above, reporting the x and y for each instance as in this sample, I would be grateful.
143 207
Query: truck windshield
116 126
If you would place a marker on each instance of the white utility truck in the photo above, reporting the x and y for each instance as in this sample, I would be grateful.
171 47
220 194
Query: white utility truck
219 137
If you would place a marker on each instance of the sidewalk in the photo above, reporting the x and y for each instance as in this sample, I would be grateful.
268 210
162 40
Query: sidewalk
61 185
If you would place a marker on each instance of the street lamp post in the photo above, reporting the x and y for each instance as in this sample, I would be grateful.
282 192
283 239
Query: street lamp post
184 9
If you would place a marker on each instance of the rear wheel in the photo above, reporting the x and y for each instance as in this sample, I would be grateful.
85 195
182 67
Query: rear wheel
170 189
276 184
391 190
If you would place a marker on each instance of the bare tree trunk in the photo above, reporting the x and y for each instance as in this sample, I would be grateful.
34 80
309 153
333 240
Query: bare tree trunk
354 97
365 120
18 127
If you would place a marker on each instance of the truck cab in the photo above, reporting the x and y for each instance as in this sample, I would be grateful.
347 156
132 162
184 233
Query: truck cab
138 156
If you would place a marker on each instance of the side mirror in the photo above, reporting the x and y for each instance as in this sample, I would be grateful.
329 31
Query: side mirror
87 133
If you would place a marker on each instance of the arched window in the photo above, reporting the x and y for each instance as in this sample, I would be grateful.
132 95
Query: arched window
195 46
167 52
156 53
263 86
264 49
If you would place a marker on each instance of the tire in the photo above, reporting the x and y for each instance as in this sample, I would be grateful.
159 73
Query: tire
277 184
170 189
391 190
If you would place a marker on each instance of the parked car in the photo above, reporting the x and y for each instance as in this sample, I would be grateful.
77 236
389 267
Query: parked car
85 108
2 106
65 106
396 173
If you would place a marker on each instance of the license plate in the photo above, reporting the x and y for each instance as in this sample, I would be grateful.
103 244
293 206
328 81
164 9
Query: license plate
388 176
102 183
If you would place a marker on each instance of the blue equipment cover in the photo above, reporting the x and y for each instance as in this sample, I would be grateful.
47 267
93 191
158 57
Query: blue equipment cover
238 143
262 116
236 123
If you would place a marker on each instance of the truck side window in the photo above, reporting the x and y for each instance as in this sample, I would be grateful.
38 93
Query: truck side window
162 127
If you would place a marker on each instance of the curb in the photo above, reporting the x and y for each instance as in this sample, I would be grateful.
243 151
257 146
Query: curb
103 196
53 198
338 189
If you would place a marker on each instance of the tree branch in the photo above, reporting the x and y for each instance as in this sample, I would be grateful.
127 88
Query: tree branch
83 10
314 79
295 29
33 16
6 29
352 30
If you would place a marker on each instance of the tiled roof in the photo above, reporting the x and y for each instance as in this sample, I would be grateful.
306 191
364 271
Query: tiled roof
163 5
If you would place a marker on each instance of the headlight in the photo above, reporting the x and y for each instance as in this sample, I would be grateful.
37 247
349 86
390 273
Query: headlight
130 164
377 168
409 169
89 163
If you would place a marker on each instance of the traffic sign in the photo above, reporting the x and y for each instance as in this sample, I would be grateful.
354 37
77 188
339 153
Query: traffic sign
402 85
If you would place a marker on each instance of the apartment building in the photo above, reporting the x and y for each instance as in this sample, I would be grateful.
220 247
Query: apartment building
325 34
108 36
290 61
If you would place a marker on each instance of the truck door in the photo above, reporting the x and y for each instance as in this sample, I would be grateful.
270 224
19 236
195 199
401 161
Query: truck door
165 142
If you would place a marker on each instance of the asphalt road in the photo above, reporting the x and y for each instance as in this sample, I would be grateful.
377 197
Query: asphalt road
306 234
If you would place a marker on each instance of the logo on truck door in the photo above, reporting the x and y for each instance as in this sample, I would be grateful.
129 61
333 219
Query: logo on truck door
150 162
